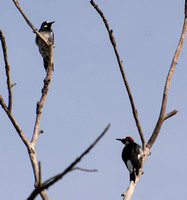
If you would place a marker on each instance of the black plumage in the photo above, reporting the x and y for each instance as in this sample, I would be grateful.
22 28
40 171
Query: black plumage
48 34
132 156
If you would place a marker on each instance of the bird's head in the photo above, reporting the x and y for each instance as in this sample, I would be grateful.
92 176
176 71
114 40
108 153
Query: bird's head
126 140
47 25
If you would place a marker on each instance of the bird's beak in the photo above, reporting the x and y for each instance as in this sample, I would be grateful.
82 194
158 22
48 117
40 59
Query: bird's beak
118 139
52 22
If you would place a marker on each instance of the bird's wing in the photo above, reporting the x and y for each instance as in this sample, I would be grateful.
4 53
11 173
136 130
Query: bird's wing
135 155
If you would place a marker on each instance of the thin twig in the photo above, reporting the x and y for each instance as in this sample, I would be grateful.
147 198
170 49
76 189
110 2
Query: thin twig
57 177
162 115
170 114
7 69
110 32
85 170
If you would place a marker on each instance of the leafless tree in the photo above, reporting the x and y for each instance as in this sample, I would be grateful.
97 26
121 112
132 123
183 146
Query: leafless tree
163 115
39 185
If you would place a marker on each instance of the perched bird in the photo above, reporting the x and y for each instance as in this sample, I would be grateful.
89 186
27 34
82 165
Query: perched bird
132 156
48 34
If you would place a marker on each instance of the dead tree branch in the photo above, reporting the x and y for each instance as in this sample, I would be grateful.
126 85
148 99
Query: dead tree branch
85 170
40 103
170 114
30 24
47 80
7 69
16 126
30 146
57 177
162 115
112 40
130 190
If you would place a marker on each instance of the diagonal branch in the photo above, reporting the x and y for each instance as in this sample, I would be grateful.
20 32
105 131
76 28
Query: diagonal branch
110 32
162 115
30 24
57 177
7 69
170 114
16 126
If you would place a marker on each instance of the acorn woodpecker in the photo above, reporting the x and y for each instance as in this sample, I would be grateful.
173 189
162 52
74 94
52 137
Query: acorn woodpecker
132 156
48 34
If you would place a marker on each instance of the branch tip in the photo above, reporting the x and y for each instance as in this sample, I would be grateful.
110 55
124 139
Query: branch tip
41 131
13 84
170 114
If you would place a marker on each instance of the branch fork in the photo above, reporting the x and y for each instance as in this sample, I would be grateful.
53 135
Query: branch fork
163 116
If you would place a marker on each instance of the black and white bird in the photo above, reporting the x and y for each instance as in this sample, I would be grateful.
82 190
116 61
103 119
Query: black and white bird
48 34
132 156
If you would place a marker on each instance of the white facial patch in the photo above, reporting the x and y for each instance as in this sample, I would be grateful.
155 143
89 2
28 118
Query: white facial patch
129 166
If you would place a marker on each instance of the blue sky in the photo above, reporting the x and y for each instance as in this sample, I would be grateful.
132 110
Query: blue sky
87 93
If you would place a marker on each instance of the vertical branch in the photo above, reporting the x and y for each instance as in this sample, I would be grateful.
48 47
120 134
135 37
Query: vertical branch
162 115
40 103
110 32
7 69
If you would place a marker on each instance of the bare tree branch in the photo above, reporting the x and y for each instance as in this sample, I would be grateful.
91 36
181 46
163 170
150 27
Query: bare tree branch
85 170
30 24
130 190
45 89
40 173
31 151
110 32
57 177
7 69
170 114
16 126
162 115
40 103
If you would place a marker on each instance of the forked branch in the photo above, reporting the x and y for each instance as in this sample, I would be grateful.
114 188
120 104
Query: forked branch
57 177
7 110
162 115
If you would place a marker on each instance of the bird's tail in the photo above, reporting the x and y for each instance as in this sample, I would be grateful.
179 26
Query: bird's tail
132 176
46 64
